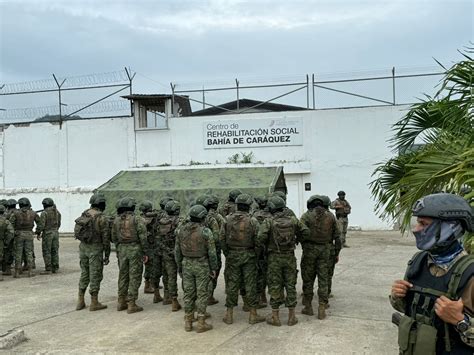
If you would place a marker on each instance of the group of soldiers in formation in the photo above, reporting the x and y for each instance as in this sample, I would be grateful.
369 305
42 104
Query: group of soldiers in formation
256 235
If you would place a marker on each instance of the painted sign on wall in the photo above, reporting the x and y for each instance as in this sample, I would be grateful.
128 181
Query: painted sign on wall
279 131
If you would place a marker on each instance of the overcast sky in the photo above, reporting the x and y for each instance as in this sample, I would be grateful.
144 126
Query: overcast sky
209 41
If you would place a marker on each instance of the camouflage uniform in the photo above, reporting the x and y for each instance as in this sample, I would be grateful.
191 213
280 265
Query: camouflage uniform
130 235
277 234
214 221
227 208
47 228
316 253
9 249
6 235
238 243
195 255
343 208
93 254
262 264
23 221
166 242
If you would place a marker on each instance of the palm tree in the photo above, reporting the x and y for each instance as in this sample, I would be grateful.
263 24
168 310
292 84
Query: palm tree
444 161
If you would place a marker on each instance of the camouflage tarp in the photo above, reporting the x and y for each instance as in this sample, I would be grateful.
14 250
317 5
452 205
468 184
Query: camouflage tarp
184 185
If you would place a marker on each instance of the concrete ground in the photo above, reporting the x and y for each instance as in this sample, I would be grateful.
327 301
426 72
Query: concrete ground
358 320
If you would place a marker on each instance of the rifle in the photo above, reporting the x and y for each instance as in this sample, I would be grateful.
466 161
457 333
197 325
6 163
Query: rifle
396 317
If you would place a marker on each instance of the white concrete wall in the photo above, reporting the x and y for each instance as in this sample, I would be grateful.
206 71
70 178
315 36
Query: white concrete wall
340 148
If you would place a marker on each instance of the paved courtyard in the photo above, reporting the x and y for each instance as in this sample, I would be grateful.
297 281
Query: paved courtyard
358 319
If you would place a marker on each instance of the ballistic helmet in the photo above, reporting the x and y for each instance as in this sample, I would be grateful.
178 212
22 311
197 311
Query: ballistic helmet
198 212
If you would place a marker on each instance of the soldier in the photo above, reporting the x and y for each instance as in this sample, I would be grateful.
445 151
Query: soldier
323 230
436 295
229 206
48 230
130 236
279 235
336 246
23 221
166 240
151 218
343 209
6 235
8 256
159 270
288 211
238 244
195 255
261 214
92 230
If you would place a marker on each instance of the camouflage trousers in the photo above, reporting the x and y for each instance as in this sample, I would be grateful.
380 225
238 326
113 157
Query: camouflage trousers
213 282
171 270
130 270
281 276
262 267
240 266
196 277
2 247
8 252
314 263
50 247
91 260
148 268
331 267
343 223
24 248
159 269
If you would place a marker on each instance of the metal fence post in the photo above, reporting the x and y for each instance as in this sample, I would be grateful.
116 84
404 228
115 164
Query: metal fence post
393 84
238 96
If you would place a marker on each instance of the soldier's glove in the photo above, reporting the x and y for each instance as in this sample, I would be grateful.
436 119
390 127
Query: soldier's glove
106 260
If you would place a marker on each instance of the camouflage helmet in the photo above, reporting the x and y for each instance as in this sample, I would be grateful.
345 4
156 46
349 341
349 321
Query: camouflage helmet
211 200
47 202
313 199
3 202
198 212
244 199
2 209
11 202
164 200
97 199
126 202
261 200
280 194
326 200
172 207
234 193
200 200
24 202
276 203
145 206
341 193
445 206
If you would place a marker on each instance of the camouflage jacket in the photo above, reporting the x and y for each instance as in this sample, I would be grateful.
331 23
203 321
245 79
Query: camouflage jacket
6 230
323 228
50 219
342 207
226 227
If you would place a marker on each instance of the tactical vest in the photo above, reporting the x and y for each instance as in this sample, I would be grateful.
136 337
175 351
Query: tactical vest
282 232
218 217
261 215
191 241
3 227
342 208
228 208
126 229
52 219
150 219
239 231
166 227
321 225
25 219
421 331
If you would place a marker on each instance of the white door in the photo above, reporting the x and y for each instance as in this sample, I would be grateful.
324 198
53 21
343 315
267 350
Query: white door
294 197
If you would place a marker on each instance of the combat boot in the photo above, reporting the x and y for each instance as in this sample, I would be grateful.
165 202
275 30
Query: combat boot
254 318
95 304
229 316
16 274
157 297
8 271
292 320
188 322
212 301
122 304
175 306
262 302
81 303
308 307
274 319
166 297
202 326
322 311
148 288
133 308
